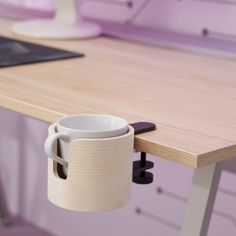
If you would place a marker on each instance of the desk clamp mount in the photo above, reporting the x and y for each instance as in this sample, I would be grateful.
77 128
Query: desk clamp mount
140 173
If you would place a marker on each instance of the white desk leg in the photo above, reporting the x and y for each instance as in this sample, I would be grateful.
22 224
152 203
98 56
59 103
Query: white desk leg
201 200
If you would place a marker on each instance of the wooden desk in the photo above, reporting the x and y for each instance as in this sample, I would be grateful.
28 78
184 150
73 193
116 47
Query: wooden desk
190 97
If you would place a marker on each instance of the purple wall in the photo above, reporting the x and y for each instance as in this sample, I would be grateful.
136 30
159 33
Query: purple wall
182 16
23 164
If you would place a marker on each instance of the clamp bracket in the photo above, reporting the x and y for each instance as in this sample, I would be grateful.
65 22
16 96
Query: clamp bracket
140 173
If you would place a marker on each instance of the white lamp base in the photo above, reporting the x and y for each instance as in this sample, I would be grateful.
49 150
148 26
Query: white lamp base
52 29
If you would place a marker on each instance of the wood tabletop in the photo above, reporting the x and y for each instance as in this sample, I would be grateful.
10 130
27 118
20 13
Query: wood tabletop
190 97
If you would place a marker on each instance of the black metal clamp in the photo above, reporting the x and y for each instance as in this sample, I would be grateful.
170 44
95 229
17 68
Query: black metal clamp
140 173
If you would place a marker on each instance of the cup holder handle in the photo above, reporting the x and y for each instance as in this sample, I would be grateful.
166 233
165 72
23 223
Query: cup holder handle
49 147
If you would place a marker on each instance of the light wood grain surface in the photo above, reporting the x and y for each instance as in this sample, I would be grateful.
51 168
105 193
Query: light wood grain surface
191 97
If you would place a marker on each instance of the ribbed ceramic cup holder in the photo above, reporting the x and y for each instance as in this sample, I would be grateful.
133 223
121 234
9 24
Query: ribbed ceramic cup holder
100 172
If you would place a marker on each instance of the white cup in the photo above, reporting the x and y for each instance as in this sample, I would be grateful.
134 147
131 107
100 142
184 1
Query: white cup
82 127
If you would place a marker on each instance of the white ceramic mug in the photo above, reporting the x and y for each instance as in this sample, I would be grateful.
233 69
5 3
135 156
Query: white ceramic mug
82 127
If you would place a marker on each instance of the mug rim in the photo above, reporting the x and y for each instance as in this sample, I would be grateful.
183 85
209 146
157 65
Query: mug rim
53 128
92 131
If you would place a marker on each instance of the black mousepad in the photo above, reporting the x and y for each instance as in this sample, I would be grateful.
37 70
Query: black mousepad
14 52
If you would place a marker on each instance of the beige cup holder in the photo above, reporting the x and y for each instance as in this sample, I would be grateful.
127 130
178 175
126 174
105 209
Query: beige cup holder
99 174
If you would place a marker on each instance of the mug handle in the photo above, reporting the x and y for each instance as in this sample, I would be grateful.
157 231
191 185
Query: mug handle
49 147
